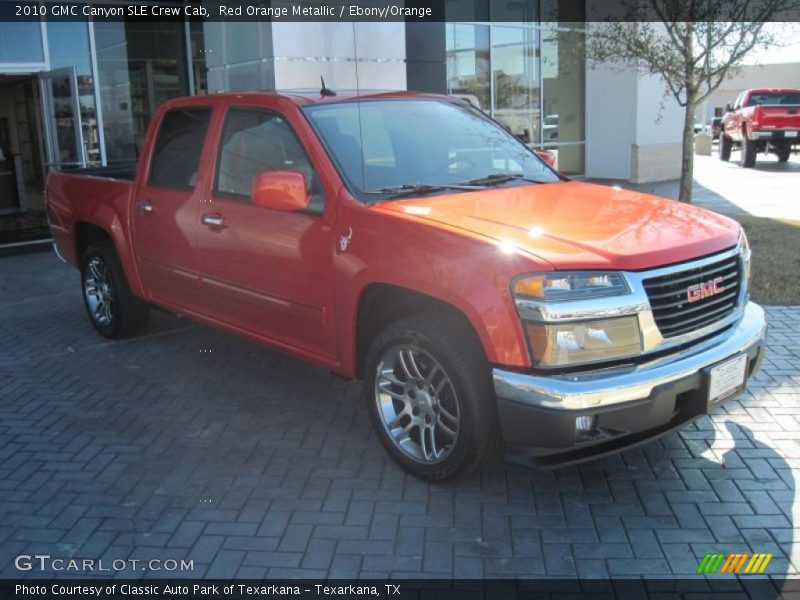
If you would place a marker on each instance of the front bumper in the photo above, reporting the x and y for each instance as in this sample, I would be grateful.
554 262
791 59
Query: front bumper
632 404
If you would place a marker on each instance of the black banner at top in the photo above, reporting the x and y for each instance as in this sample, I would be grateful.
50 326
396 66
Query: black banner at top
543 11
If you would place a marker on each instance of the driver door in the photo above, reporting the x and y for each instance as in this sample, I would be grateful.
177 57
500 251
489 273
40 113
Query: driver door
265 272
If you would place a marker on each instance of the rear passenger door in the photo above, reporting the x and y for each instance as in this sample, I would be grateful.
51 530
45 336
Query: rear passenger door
266 272
166 206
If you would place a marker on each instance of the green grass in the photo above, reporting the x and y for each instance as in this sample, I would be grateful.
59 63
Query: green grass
775 272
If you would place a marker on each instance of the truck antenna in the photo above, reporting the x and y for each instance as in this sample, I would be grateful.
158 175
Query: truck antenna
325 91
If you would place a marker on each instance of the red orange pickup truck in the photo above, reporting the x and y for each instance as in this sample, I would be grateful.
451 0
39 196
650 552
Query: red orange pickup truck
761 120
410 241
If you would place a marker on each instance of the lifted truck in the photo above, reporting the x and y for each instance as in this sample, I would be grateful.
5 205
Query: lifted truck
761 120
408 240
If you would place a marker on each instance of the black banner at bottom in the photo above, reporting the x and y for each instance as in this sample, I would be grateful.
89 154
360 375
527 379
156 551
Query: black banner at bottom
399 589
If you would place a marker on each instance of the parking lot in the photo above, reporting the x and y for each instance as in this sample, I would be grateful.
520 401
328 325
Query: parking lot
188 443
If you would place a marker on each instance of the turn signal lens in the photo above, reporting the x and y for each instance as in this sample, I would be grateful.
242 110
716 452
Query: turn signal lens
744 255
555 286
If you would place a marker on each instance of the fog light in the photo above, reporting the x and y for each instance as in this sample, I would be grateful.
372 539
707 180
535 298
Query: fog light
585 424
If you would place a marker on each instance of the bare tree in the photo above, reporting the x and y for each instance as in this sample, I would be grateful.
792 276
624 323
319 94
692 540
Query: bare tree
693 45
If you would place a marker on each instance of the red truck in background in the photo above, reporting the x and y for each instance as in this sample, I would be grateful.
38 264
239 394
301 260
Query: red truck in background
410 241
761 120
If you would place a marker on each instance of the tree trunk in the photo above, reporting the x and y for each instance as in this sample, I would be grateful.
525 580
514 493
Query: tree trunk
687 154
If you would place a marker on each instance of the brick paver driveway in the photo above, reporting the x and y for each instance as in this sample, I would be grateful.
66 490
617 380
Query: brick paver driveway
188 443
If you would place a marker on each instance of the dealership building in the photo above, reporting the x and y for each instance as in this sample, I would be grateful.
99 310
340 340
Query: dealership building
82 93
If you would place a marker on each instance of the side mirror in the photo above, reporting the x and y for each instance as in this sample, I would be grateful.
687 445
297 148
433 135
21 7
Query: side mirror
728 107
280 190
548 157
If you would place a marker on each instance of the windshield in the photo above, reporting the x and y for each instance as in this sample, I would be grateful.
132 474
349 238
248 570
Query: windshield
410 142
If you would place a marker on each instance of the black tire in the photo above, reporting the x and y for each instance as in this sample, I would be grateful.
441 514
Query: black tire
725 145
449 341
749 150
124 315
784 154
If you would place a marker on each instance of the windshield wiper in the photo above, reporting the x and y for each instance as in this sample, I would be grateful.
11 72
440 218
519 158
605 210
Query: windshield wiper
499 179
423 188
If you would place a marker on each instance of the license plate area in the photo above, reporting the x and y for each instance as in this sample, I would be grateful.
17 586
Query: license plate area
726 379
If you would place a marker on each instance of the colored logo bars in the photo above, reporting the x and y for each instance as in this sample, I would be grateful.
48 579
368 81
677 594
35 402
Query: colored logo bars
734 563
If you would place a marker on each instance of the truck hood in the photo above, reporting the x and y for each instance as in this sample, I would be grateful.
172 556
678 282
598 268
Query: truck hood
576 225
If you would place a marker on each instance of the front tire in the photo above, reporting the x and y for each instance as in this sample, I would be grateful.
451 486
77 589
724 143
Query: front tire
430 397
749 150
725 145
784 154
112 308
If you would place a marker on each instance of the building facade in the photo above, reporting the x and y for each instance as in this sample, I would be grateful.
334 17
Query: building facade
83 93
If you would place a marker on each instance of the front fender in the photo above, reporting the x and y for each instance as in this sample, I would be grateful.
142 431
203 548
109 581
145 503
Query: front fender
473 275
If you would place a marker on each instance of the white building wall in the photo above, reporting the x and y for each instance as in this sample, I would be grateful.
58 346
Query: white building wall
656 149
633 131
610 121
290 55
347 55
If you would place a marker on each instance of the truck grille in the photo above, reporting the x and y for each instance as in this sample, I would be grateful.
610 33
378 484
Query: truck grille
669 296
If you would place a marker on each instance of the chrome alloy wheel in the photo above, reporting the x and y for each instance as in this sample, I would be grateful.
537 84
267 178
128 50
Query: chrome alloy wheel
417 403
99 292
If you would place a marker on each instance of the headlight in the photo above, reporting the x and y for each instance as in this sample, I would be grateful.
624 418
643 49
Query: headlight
578 285
744 255
562 344
579 341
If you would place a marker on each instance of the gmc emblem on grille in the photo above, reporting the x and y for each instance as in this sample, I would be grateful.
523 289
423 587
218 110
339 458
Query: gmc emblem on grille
704 290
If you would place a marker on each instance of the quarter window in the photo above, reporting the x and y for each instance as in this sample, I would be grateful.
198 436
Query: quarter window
178 148
254 140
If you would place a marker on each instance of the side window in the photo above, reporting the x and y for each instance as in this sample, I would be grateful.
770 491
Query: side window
176 154
254 140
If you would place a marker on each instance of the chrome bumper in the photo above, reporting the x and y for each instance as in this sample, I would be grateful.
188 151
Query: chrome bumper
609 387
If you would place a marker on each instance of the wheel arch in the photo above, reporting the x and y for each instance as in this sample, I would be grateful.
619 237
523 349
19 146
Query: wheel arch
87 232
380 304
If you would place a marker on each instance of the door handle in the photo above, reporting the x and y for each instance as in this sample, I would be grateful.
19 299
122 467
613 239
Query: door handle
145 207
213 220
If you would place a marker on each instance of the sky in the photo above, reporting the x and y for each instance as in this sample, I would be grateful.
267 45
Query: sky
787 51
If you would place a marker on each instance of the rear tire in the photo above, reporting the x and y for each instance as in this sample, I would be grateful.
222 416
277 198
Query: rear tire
749 150
112 308
725 145
784 154
429 394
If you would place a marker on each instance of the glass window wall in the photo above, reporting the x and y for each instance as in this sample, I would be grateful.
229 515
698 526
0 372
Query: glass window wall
529 76
69 46
140 65
21 42
468 62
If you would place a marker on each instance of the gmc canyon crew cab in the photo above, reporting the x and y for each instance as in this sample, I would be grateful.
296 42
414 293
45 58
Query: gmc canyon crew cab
409 240
762 120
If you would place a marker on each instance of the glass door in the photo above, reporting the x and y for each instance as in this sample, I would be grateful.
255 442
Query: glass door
62 117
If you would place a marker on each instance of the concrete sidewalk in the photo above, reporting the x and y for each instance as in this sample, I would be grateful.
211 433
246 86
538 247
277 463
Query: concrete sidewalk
771 189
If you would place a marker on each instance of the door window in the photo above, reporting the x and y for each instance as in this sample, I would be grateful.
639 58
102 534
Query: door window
254 140
178 148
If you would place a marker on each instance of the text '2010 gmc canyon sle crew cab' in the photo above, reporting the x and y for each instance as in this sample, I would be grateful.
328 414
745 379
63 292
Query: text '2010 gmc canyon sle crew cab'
409 240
